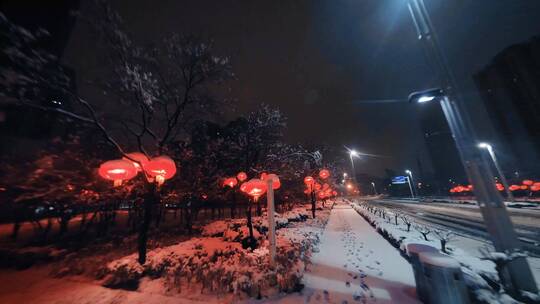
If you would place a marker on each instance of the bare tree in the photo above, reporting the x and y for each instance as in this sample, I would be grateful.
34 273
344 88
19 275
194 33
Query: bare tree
424 230
407 221
444 236
154 95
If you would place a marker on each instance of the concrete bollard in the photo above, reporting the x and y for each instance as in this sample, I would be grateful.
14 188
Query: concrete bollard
444 277
413 250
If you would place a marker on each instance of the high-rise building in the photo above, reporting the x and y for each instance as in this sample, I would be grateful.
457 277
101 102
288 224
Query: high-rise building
510 89
445 160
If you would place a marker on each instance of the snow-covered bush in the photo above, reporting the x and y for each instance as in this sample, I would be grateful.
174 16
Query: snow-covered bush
219 265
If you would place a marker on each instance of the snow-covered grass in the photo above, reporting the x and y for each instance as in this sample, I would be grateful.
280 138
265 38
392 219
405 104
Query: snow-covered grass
480 273
216 263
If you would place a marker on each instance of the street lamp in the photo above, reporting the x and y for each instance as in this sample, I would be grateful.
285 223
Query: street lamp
353 153
517 272
374 189
489 148
411 182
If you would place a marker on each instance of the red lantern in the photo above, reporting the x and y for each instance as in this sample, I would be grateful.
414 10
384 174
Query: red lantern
321 195
254 187
317 186
334 193
523 187
140 159
324 174
241 176
276 184
161 168
499 186
308 180
325 186
535 188
527 182
117 170
514 187
231 182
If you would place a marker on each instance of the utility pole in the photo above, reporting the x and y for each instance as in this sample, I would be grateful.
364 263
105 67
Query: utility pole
517 275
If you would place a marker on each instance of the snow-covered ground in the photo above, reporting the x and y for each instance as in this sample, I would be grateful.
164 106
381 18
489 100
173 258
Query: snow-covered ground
352 263
355 263
461 247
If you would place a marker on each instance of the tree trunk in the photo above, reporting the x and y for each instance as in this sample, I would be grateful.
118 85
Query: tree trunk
149 201
313 204
249 223
443 246
233 205
15 231
63 225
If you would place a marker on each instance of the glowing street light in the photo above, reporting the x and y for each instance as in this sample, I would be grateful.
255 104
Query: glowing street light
353 153
498 223
374 189
489 148
411 182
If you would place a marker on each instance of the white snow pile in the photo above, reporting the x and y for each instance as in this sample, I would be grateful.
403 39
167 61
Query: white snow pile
479 271
217 264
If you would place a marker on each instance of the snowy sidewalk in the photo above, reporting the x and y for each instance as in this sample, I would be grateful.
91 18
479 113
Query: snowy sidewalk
356 264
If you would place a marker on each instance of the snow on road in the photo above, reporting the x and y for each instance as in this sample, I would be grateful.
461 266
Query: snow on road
355 264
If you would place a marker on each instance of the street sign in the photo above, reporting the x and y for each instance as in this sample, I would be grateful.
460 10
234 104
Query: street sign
399 180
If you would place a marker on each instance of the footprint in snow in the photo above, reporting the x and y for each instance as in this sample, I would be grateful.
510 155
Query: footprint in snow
348 284
358 295
326 295
377 262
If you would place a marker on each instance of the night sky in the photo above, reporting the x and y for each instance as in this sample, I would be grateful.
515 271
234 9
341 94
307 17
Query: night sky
324 63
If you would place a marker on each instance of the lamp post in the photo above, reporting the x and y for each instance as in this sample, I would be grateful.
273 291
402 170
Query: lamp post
272 183
374 189
409 173
352 154
489 148
517 275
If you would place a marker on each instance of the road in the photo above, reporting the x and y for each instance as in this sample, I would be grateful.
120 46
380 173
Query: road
467 219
